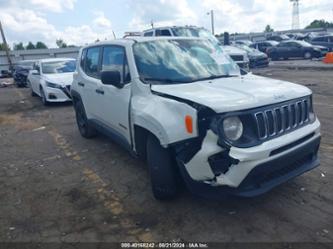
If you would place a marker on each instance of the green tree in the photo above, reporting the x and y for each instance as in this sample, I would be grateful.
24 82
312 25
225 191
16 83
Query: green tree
30 46
40 45
2 47
61 44
319 24
19 46
268 29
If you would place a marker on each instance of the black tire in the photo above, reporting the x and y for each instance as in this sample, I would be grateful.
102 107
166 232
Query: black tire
85 129
33 94
274 57
308 55
163 171
44 100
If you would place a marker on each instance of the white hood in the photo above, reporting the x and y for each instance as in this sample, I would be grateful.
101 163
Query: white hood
63 79
235 93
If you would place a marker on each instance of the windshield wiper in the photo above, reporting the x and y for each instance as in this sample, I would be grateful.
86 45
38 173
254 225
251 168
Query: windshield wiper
168 81
213 77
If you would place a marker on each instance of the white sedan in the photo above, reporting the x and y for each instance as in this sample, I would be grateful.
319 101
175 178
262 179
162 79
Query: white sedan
51 79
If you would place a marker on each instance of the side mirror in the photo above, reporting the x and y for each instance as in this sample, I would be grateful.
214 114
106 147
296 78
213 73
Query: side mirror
35 72
111 78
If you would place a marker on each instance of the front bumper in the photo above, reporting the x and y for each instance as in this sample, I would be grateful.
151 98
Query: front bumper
259 168
259 62
58 94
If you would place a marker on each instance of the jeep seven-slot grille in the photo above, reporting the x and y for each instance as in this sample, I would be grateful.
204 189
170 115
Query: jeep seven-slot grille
277 120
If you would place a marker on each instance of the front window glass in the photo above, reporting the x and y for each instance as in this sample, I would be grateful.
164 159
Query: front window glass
53 67
114 59
182 61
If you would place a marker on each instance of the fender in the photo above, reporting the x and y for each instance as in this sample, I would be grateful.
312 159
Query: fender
164 117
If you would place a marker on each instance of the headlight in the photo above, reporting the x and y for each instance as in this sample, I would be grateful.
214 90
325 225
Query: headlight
233 128
53 85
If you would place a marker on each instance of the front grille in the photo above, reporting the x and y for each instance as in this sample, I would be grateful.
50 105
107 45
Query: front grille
277 120
237 57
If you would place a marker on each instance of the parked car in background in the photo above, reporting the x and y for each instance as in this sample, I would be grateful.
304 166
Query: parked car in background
5 73
51 79
183 105
262 46
257 58
296 49
238 55
21 71
243 42
325 41
278 38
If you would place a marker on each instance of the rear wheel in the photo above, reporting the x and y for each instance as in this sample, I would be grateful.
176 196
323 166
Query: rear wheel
307 55
86 130
163 172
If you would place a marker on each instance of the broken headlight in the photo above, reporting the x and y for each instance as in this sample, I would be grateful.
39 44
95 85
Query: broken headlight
237 129
233 128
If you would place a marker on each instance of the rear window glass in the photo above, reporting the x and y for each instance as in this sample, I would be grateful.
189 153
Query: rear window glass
92 62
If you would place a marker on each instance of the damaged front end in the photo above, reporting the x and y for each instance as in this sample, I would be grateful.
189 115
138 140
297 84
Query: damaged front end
235 152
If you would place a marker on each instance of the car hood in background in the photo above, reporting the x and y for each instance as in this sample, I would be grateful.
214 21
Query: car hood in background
63 79
233 50
235 93
256 54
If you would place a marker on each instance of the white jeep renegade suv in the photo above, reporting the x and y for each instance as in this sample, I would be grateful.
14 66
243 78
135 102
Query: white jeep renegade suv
184 106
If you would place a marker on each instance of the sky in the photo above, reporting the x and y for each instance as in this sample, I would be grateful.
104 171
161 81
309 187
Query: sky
79 22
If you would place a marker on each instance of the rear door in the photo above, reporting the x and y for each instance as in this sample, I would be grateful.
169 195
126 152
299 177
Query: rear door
296 50
89 80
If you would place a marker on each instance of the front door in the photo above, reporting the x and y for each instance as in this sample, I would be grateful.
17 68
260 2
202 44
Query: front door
114 111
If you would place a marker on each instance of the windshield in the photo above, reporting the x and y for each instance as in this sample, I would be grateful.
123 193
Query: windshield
195 32
273 43
54 67
246 48
26 64
182 61
304 43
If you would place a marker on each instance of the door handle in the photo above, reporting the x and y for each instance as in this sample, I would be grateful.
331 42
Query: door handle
81 84
99 91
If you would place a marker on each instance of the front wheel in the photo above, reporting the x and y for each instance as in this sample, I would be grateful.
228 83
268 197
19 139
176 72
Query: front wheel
43 96
163 172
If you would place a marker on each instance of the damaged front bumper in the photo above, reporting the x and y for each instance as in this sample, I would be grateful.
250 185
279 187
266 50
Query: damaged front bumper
252 171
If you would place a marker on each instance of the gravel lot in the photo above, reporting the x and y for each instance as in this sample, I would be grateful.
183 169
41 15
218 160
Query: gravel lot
57 186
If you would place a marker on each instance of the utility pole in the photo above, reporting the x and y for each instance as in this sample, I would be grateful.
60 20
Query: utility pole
6 47
211 13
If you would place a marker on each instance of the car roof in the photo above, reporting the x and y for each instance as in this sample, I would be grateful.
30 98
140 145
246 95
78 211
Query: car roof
170 27
55 59
135 39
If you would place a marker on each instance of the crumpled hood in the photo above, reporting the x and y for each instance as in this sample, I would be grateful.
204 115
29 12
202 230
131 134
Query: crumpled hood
235 93
63 79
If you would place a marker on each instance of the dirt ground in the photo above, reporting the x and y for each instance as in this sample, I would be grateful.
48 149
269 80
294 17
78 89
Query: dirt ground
57 186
